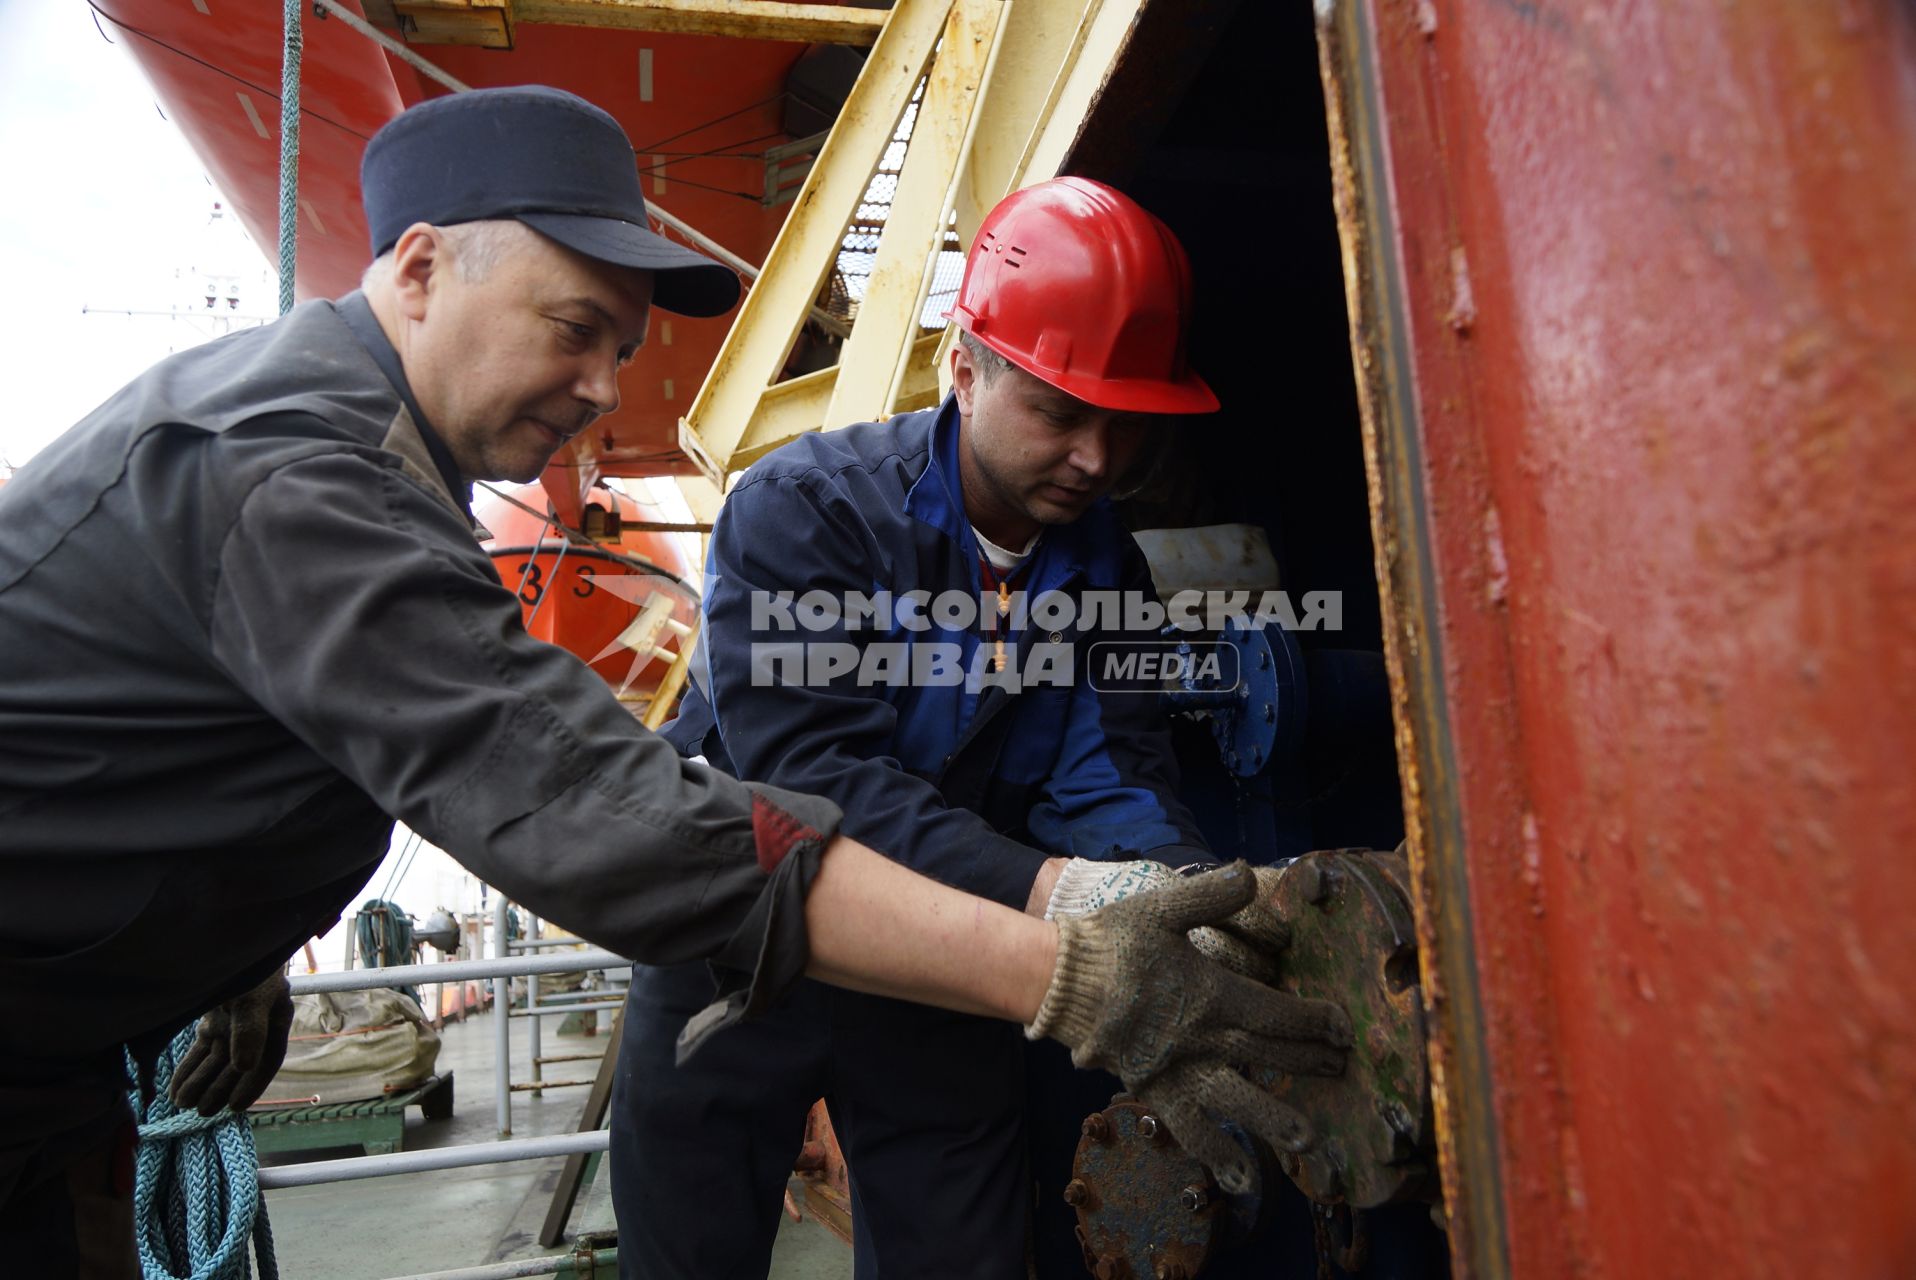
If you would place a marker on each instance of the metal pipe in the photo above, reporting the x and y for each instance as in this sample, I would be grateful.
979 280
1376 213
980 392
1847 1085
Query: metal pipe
563 1264
560 1011
455 971
664 526
533 929
536 1086
823 318
356 1167
501 1009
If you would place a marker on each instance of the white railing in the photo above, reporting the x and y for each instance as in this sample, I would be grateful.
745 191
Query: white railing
499 970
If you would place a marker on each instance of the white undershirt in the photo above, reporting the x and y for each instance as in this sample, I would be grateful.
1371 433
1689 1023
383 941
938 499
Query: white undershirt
1000 559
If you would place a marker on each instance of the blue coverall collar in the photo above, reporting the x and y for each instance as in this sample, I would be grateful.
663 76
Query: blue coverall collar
936 498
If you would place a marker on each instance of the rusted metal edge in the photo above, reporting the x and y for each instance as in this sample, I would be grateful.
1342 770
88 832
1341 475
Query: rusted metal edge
1162 56
1461 1082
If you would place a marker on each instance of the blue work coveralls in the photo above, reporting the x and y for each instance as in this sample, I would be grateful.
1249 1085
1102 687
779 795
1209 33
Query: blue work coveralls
974 786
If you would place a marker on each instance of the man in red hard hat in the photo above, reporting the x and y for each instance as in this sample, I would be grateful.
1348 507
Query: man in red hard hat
896 618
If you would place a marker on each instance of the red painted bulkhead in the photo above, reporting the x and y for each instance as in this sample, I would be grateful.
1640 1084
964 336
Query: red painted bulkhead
1657 324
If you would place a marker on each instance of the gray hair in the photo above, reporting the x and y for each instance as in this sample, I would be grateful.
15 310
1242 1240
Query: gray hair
477 247
988 362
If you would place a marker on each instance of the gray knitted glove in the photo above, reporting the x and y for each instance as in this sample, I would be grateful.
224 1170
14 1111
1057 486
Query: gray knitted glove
1247 943
1250 940
1131 995
237 1050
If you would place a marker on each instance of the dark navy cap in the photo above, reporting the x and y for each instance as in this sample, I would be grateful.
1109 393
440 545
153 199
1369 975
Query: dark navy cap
548 158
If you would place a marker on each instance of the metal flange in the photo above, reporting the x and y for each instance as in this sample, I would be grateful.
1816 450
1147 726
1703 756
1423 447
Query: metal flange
1353 942
1147 1210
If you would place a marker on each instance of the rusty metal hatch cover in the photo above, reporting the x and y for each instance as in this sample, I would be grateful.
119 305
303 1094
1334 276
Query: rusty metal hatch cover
1354 942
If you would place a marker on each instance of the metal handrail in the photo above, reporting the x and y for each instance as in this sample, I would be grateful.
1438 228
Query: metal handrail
509 963
401 975
353 1168
565 1011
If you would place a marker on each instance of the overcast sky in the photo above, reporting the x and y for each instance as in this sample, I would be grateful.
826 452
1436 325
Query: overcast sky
106 207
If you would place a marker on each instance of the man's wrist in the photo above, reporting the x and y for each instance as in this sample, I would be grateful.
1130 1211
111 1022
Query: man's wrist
1041 888
1039 972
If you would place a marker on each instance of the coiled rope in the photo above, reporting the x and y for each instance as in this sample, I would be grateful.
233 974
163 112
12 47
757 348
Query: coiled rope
196 1196
385 938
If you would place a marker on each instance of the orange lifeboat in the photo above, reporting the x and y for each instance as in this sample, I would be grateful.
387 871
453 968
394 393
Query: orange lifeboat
623 600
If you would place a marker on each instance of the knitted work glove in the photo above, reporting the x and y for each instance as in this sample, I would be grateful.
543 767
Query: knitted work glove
237 1050
1247 943
1086 885
1130 994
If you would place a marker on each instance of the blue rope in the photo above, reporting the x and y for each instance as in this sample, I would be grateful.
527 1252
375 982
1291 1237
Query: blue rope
289 153
196 1184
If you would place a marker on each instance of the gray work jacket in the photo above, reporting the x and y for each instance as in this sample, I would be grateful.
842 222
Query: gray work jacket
244 624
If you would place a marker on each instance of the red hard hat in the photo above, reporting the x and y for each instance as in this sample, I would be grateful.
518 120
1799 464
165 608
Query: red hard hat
1076 284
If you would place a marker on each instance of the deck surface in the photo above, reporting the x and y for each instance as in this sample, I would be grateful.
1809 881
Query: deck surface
386 1227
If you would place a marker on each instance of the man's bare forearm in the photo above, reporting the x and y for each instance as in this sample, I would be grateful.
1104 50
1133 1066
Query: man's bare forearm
880 927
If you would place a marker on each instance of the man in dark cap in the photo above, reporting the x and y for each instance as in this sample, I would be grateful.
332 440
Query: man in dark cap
247 625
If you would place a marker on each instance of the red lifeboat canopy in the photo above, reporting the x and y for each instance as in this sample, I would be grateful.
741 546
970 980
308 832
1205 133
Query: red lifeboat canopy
622 600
